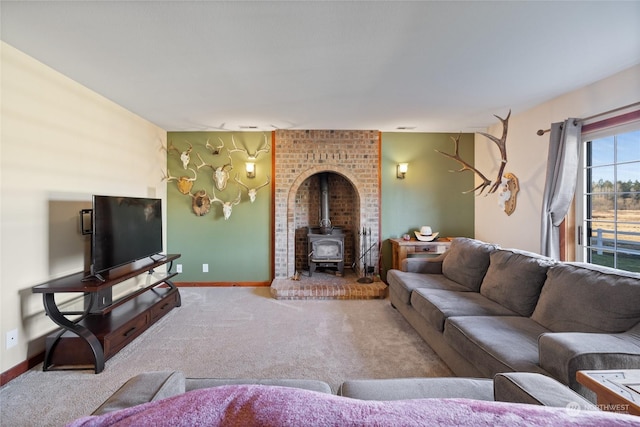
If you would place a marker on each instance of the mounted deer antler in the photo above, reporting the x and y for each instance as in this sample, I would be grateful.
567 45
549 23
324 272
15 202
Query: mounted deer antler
502 146
220 173
172 147
252 192
466 166
184 182
215 149
185 156
227 207
252 157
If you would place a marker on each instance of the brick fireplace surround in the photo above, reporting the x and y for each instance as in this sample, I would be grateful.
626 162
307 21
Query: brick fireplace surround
300 154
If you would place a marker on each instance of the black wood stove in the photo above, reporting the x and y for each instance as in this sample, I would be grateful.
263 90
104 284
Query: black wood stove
326 243
326 250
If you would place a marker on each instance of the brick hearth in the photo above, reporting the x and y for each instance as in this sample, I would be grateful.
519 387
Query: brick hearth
327 286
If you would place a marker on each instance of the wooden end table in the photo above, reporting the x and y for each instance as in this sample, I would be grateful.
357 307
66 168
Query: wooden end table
401 248
616 390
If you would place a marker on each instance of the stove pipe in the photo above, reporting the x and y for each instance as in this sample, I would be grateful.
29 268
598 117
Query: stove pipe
325 222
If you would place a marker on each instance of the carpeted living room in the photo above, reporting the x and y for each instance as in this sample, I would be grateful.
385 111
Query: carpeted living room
319 213
237 332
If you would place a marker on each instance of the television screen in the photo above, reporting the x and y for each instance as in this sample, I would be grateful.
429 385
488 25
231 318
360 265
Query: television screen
125 229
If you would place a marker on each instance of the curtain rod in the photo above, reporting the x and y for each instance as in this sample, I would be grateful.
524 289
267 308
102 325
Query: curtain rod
542 132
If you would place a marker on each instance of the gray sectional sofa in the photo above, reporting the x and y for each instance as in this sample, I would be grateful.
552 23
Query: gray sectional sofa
487 310
515 387
516 398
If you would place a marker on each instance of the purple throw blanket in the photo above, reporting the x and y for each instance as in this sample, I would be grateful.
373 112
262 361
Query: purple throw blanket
257 405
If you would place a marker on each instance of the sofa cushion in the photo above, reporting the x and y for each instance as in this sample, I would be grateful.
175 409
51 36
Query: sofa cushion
514 279
466 262
436 306
496 344
403 283
418 388
580 297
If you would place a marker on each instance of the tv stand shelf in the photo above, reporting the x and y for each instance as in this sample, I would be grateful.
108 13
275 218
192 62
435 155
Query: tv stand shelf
158 281
98 334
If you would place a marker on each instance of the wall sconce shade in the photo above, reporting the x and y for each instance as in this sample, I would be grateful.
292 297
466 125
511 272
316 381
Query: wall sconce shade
402 170
251 169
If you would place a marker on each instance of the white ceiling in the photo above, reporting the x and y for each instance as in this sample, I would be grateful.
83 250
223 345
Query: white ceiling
433 66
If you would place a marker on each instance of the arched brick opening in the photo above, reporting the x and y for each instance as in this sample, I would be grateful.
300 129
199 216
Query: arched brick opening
306 187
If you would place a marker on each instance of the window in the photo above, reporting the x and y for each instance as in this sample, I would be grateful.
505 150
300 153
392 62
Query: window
609 208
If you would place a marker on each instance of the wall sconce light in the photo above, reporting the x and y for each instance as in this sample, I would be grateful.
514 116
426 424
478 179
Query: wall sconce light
251 169
402 170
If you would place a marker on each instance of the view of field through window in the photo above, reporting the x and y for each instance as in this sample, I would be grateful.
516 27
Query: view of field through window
613 201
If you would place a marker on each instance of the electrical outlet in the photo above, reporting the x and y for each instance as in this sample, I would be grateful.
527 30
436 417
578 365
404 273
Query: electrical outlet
205 268
179 268
12 338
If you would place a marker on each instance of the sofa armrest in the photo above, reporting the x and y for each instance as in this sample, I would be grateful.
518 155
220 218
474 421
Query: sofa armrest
536 389
423 265
562 354
143 388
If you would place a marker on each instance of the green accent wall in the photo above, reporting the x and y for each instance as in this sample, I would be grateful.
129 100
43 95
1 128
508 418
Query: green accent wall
430 194
237 249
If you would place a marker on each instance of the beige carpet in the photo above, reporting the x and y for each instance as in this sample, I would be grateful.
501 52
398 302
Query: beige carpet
234 333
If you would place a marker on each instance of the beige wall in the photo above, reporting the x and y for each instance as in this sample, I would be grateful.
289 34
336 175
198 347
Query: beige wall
60 142
527 155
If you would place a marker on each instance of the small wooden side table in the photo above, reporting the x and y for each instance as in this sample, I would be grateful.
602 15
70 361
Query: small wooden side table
401 249
616 390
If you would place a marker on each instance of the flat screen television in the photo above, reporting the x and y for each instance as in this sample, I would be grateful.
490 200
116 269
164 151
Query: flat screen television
124 230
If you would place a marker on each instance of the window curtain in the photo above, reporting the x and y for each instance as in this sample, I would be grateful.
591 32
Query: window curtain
560 185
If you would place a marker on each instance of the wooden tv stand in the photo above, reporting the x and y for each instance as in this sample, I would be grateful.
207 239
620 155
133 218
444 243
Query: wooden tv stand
96 334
